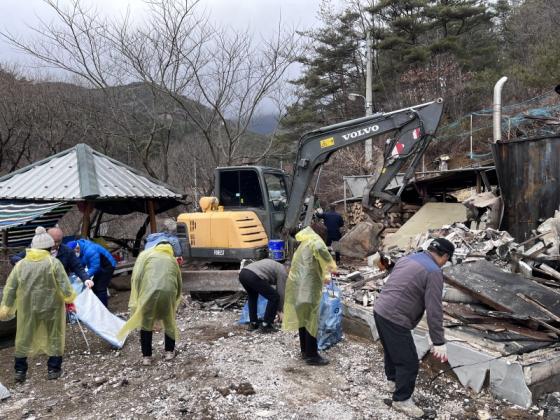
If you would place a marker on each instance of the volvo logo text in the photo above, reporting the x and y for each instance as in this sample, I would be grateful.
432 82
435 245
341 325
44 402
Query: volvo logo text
361 132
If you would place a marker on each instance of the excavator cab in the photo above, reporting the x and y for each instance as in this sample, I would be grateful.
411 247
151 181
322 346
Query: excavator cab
259 189
247 211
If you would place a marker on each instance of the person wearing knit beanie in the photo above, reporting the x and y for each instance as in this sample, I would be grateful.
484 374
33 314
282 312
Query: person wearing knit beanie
37 289
42 240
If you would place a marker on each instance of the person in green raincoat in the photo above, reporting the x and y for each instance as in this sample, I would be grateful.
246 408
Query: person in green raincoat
37 289
311 266
155 293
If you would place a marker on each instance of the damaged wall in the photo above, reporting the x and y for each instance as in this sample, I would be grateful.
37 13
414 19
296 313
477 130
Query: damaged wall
528 172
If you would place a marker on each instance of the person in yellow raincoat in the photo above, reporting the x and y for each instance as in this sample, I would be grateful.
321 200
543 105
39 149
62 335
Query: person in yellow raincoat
310 269
155 293
37 289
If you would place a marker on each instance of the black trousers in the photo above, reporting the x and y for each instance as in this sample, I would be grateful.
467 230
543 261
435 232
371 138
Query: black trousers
336 253
308 344
401 358
53 364
101 282
256 286
146 343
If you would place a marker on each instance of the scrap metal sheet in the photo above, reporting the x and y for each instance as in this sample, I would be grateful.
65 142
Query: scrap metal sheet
500 289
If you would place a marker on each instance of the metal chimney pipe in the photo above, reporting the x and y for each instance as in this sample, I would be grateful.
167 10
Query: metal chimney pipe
497 109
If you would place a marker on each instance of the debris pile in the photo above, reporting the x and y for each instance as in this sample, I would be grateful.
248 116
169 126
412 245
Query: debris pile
501 297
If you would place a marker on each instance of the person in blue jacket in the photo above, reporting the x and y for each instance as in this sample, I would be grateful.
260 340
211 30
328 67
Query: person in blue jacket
100 265
64 254
334 222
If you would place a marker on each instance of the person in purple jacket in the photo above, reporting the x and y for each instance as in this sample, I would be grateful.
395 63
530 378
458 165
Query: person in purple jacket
415 285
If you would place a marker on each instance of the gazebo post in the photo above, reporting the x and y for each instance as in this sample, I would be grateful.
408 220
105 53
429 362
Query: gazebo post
86 219
5 242
152 214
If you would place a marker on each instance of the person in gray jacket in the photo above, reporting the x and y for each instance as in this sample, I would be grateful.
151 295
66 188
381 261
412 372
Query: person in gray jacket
414 285
257 279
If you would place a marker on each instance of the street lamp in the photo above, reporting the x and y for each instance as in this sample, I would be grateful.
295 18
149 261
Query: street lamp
353 96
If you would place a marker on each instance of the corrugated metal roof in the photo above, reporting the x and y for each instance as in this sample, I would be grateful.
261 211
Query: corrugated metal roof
81 173
20 219
16 213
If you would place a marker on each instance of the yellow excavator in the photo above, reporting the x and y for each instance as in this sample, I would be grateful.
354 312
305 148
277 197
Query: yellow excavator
257 207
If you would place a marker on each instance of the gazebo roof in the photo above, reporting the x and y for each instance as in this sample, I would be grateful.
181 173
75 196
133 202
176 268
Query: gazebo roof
81 173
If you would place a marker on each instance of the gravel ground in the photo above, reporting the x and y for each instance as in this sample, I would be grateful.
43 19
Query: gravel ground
223 371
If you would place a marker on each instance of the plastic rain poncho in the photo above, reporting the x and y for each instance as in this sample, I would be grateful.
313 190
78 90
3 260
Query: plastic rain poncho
37 289
311 264
155 291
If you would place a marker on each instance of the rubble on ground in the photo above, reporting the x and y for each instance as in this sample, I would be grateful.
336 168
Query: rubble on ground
500 296
223 371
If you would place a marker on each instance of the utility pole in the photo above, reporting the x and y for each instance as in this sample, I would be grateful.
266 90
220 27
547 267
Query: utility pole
195 187
369 98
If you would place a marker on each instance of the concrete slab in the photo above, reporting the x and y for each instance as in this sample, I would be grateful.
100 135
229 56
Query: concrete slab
518 379
4 393
430 216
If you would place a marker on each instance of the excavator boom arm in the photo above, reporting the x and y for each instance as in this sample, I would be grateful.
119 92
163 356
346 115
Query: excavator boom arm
415 126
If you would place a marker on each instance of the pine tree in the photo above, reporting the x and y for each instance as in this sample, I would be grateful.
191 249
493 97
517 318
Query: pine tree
428 48
333 67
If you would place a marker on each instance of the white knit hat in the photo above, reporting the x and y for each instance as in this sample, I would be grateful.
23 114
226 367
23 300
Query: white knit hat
42 240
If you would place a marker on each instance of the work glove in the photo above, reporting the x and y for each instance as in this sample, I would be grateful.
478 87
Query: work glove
4 313
89 283
180 260
70 308
440 353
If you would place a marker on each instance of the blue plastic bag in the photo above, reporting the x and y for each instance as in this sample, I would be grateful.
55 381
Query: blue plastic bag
330 318
261 308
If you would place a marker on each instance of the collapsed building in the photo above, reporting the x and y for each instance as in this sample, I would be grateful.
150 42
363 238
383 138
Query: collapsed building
502 292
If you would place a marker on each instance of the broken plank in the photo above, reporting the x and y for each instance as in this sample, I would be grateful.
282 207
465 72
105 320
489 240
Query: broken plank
546 325
539 305
478 320
540 235
360 283
498 289
550 271
536 250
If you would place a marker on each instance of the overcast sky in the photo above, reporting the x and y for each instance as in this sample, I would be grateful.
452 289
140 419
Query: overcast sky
260 16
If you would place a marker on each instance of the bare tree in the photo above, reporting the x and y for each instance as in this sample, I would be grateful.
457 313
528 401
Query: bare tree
188 75
17 108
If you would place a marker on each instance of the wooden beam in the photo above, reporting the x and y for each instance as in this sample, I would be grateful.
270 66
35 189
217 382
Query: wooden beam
86 219
152 214
478 183
211 281
196 281
5 242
